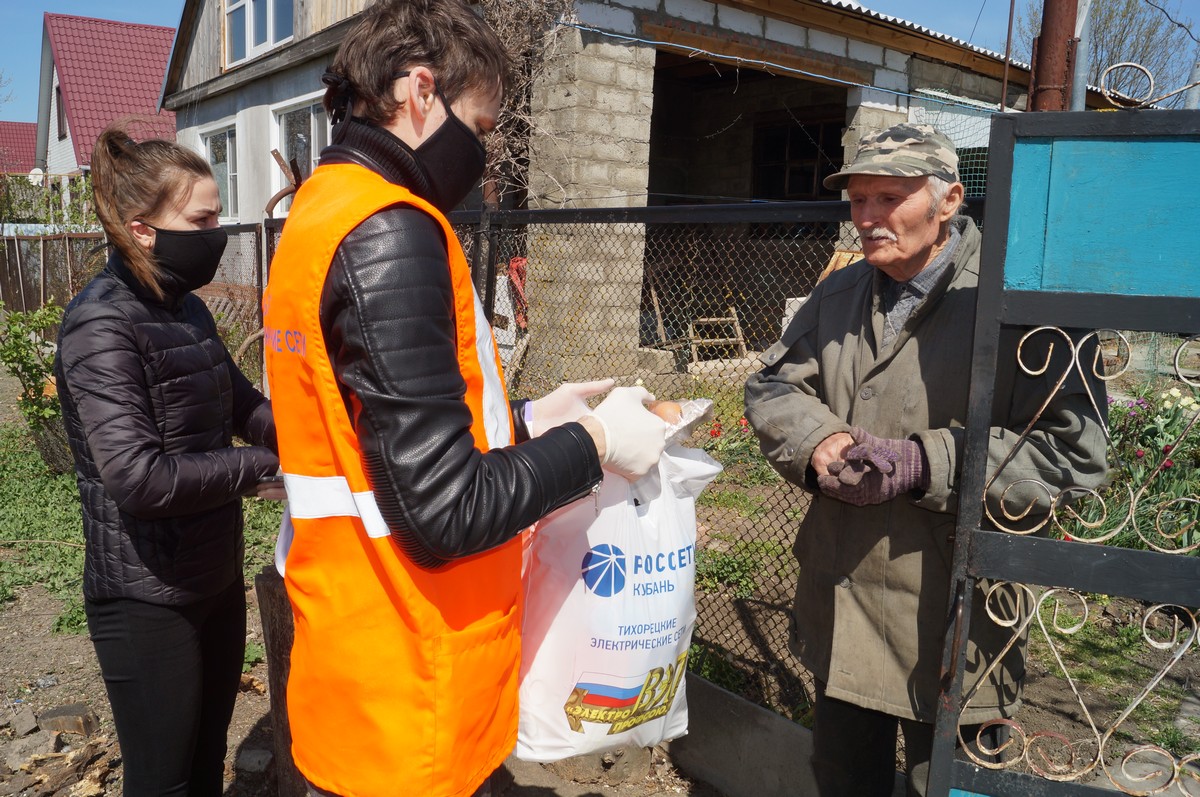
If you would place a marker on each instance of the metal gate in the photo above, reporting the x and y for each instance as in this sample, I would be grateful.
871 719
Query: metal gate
1085 235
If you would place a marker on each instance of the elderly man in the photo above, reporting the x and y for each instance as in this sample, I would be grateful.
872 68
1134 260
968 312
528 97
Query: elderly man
863 403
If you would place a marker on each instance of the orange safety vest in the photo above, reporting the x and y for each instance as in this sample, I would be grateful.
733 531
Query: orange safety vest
403 680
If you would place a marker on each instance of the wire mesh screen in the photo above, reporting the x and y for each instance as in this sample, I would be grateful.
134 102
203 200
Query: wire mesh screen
682 299
234 297
967 126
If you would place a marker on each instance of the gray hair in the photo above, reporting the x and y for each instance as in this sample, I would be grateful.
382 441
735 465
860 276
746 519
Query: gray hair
938 188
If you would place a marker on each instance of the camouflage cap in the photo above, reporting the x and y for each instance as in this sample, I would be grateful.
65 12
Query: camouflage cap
903 150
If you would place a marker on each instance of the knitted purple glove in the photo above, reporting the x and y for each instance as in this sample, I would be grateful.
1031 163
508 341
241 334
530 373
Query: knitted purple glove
876 470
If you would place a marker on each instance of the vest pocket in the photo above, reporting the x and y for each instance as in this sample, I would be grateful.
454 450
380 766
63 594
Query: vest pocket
475 696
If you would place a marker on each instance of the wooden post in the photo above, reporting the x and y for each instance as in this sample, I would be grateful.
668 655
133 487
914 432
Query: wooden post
70 274
276 613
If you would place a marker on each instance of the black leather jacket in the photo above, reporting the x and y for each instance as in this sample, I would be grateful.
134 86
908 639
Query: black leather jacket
388 319
151 401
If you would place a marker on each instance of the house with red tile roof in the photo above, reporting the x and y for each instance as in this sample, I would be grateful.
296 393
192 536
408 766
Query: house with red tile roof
18 140
95 71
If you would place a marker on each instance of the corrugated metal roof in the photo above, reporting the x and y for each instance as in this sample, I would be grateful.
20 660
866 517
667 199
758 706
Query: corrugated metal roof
108 70
18 141
913 26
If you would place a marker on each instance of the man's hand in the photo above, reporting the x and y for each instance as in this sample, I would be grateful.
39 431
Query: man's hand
565 404
831 449
875 470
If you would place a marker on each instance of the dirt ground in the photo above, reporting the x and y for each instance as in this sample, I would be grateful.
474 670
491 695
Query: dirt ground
43 670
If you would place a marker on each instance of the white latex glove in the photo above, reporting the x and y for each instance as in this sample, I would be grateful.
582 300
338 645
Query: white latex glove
634 437
565 404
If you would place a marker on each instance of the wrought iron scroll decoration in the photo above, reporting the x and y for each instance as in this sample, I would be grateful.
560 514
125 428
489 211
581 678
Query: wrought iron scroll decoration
1132 768
1143 101
1078 511
1056 757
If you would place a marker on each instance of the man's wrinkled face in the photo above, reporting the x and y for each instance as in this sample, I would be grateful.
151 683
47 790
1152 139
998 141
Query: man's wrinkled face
900 236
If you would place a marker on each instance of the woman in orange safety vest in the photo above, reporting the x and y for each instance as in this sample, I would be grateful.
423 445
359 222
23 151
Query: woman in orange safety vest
409 475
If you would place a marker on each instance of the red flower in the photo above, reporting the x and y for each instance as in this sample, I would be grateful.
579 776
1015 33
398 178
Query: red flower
715 431
1140 453
742 422
1167 448
1167 463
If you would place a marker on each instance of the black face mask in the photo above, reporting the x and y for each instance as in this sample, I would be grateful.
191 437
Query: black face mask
189 258
453 159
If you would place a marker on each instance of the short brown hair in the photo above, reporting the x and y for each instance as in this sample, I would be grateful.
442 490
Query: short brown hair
446 36
132 181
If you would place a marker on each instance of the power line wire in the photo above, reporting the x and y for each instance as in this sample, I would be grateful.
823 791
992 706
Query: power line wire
1185 28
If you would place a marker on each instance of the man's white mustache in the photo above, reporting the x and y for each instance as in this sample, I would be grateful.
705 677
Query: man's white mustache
880 233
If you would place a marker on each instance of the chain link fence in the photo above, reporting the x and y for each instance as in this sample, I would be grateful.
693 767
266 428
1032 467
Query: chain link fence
681 298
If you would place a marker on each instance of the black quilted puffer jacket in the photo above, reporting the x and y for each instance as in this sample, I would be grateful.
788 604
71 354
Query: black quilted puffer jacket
151 401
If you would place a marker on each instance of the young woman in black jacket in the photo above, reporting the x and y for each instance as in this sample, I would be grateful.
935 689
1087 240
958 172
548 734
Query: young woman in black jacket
151 401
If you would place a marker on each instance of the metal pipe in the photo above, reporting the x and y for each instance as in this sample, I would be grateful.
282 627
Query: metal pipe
1012 8
1083 56
1191 98
1053 80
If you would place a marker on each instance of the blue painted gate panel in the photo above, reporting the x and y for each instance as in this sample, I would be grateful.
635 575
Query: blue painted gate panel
1105 215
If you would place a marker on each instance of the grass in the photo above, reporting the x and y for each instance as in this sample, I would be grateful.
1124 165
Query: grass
711 665
254 654
739 567
734 501
41 529
1107 660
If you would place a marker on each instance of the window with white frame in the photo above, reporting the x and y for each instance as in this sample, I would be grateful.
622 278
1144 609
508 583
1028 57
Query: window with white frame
303 133
221 150
254 26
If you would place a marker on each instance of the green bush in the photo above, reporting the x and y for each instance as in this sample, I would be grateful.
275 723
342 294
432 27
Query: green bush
27 352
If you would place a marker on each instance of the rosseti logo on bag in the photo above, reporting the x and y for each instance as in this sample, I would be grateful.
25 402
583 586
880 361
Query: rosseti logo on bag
604 570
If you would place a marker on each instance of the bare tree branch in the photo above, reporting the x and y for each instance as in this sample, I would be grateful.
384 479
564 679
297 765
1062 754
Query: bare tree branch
1141 31
524 27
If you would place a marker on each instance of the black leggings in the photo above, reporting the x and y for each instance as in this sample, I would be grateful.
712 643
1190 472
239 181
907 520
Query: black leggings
172 676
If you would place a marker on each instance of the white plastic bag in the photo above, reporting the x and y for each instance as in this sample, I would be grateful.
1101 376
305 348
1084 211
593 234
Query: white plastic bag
609 611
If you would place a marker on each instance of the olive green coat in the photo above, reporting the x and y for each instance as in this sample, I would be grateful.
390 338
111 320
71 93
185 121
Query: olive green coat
871 602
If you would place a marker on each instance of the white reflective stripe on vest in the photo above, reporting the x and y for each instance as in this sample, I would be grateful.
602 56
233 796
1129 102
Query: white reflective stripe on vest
496 419
330 496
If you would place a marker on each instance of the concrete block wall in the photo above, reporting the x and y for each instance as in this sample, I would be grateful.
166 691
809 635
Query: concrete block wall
584 285
591 149
927 74
592 105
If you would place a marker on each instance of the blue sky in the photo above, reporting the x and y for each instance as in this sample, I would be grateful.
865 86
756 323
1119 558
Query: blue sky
21 40
955 17
21 31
